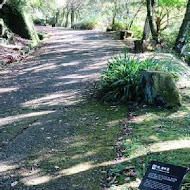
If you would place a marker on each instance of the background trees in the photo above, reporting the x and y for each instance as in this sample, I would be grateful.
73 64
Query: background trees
159 20
184 32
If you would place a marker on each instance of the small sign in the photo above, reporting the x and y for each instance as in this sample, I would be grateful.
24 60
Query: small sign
162 176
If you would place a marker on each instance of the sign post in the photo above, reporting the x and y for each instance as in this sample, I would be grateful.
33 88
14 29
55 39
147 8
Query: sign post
162 176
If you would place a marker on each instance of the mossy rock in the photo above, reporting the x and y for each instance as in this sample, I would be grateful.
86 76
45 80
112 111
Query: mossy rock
145 45
159 88
2 30
129 34
19 21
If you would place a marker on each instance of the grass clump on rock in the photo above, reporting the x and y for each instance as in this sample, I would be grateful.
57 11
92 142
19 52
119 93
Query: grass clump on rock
121 80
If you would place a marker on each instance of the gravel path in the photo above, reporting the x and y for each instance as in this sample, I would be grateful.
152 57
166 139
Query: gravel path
36 97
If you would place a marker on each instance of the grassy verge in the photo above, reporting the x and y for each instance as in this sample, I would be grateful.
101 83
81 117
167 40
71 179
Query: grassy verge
155 134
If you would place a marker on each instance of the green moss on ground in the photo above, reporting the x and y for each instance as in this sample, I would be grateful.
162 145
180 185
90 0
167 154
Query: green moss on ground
82 156
162 135
90 149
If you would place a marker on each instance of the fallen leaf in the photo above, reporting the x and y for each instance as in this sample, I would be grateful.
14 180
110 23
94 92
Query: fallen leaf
134 173
139 160
14 183
130 167
127 179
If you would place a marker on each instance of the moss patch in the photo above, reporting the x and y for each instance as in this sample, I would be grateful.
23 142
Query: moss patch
158 134
76 153
162 135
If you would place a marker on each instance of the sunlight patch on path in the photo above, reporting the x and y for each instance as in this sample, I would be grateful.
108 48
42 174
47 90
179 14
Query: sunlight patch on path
4 167
11 119
5 90
36 180
59 98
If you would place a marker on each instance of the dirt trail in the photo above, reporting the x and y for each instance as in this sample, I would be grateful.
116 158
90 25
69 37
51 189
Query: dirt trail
43 142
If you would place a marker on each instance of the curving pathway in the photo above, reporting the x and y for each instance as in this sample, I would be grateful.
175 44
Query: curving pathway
42 101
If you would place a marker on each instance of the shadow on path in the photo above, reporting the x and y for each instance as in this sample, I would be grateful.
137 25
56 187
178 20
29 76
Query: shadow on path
43 141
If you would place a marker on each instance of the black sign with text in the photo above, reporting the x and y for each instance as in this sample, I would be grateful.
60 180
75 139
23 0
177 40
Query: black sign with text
162 176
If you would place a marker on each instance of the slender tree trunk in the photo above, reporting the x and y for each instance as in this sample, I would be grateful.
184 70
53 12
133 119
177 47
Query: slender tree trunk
158 24
150 14
72 17
135 15
184 32
114 12
146 31
113 19
67 19
57 17
63 18
77 15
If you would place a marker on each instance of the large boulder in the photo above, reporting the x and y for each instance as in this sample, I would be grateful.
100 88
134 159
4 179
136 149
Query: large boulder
129 34
19 21
159 88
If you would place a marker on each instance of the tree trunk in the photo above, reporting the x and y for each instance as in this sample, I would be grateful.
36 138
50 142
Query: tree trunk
72 17
146 31
184 32
113 19
57 17
46 19
150 14
135 15
67 19
63 18
76 16
158 24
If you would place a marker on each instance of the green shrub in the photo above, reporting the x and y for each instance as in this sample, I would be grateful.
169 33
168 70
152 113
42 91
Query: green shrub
39 21
118 26
120 81
86 25
169 37
138 31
